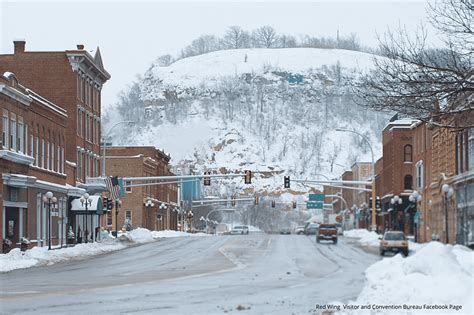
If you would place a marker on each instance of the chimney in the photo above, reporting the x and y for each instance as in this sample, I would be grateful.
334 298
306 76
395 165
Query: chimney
19 46
80 46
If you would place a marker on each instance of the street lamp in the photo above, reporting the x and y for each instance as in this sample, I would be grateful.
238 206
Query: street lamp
86 201
414 198
49 199
448 193
374 222
149 204
395 201
190 218
105 141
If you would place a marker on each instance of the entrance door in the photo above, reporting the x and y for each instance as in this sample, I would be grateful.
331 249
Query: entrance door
12 224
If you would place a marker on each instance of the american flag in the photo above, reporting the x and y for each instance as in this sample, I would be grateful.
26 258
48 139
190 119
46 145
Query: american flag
112 186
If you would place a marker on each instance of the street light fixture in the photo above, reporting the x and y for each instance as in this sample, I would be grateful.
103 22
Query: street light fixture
414 198
448 193
49 199
118 203
374 219
395 201
105 141
162 208
86 201
149 204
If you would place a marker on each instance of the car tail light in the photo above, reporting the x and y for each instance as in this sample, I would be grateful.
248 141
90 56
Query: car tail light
404 243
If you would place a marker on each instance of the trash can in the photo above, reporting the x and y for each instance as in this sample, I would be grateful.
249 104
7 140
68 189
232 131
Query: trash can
24 243
6 246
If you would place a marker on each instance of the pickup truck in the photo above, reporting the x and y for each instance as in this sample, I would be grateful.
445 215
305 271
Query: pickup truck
327 232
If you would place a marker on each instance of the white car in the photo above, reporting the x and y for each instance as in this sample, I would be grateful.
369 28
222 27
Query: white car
246 229
237 230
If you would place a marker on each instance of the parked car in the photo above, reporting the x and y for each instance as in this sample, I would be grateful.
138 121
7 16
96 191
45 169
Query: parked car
246 229
327 232
311 229
394 241
285 231
237 230
299 229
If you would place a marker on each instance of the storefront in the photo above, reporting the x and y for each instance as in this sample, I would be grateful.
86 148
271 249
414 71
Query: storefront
84 218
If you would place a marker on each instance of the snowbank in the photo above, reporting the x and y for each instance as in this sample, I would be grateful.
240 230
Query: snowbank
171 233
435 275
140 235
364 237
16 259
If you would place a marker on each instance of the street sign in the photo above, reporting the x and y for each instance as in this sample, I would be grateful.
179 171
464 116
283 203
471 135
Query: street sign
316 201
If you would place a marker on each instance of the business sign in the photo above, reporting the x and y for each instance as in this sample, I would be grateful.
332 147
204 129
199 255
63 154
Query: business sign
316 201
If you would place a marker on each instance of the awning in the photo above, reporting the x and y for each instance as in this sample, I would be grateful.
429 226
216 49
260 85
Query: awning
94 208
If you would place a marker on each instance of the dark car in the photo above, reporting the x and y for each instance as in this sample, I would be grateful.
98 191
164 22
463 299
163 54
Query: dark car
327 232
285 231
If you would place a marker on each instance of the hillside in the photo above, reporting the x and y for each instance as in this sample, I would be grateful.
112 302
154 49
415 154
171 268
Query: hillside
269 110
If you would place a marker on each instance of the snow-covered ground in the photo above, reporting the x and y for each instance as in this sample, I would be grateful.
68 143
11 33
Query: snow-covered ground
435 278
16 259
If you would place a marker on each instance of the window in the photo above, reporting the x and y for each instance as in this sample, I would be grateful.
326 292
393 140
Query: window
407 151
128 188
47 156
408 182
470 148
42 153
419 175
59 158
78 121
37 151
32 145
128 216
5 125
13 132
62 160
21 135
52 156
26 140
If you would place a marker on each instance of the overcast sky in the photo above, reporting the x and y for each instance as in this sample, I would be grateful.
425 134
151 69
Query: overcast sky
132 34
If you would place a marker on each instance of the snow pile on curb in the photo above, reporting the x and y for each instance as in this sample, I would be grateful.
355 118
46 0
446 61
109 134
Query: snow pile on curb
140 235
435 274
364 237
171 233
16 259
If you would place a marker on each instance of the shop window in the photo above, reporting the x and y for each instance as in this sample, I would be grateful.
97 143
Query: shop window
408 153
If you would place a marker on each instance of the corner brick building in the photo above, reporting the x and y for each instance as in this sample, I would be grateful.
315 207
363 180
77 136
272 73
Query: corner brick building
143 161
73 79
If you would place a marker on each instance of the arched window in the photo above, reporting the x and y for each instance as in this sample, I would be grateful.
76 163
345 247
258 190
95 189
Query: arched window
408 182
408 153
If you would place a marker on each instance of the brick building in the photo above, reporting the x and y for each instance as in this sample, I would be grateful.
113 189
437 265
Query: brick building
144 161
32 162
73 79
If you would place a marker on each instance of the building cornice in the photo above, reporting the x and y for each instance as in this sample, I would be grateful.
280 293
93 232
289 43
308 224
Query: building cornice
15 94
16 157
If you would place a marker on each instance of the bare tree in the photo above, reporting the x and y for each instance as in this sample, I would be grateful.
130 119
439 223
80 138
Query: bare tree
265 36
165 60
434 85
235 38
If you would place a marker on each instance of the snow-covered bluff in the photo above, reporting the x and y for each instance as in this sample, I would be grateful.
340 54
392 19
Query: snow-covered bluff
267 110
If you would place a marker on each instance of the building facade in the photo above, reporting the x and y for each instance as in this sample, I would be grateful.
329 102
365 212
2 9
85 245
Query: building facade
73 79
154 207
32 162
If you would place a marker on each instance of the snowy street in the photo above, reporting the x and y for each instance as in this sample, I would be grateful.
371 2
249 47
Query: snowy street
258 273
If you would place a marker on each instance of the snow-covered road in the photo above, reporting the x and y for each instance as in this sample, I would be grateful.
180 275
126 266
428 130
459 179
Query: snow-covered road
256 273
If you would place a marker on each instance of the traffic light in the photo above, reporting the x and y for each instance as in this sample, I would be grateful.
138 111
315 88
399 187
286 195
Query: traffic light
109 204
104 203
294 204
248 177
378 204
273 203
287 181
256 201
207 180
233 202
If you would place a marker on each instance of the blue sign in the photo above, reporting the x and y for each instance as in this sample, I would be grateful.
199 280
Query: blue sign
190 190
316 201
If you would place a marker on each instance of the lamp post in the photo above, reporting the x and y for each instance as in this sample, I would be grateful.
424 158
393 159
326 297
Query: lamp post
374 222
395 201
354 210
162 208
49 199
414 198
149 204
86 201
190 219
448 192
118 203
105 139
